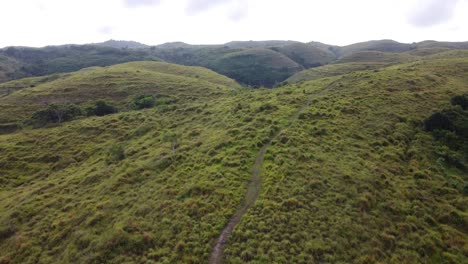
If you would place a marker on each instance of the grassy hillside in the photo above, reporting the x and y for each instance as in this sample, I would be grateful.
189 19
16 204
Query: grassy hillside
19 62
8 66
351 175
376 56
58 59
122 44
259 44
257 67
442 44
357 179
306 55
385 45
135 186
117 84
333 70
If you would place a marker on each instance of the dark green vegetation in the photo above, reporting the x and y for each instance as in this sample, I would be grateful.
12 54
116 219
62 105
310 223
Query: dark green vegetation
361 176
272 61
48 60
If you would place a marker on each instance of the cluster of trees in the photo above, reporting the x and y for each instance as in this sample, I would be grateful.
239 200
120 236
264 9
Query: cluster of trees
58 113
450 128
452 119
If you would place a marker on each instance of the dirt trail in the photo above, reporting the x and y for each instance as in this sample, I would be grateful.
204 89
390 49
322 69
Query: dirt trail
253 191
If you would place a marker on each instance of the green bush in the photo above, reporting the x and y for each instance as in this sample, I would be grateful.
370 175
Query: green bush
438 120
143 101
461 100
101 109
56 113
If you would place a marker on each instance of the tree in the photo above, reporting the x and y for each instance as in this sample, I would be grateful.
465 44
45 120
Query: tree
56 113
101 108
143 101
461 100
438 120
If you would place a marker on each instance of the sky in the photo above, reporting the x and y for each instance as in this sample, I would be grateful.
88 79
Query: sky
38 23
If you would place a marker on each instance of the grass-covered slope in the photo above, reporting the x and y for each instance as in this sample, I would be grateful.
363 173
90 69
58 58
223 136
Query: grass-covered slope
57 59
306 55
358 180
135 186
376 56
355 179
333 70
8 66
257 67
116 84
385 45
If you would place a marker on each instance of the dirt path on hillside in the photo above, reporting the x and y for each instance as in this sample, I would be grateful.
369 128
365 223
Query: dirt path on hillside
253 189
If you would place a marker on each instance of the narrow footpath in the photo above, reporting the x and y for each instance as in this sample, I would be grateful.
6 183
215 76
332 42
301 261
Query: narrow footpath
253 191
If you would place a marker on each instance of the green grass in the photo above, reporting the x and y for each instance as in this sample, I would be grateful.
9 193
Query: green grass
376 56
116 84
333 70
307 55
257 67
355 179
27 62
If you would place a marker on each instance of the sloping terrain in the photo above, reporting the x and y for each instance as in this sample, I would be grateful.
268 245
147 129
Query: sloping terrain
333 70
122 44
358 180
306 55
257 67
376 56
8 66
20 62
385 45
68 58
349 171
116 84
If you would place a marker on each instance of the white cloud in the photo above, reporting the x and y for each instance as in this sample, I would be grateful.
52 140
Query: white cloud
141 3
54 22
427 13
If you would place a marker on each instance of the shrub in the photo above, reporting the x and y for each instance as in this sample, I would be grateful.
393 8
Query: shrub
56 113
143 101
438 120
461 100
101 109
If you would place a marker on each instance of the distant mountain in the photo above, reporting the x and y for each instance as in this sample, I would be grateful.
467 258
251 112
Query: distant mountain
306 55
122 44
385 45
442 44
19 62
258 44
255 63
257 67
178 44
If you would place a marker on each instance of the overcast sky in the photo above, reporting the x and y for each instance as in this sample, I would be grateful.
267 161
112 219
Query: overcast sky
54 22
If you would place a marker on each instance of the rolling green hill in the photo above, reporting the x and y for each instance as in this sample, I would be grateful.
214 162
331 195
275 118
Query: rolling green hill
57 59
306 55
340 169
116 84
376 56
256 67
122 44
333 70
385 45
8 66
20 62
